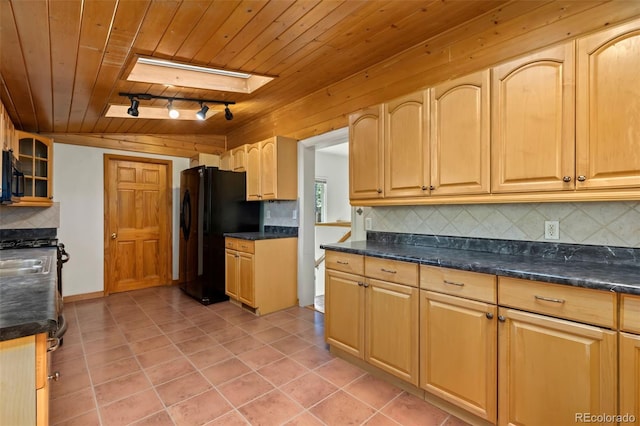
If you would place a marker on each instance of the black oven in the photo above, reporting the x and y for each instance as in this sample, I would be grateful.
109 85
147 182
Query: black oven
12 179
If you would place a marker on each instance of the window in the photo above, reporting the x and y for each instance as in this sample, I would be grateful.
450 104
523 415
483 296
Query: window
321 200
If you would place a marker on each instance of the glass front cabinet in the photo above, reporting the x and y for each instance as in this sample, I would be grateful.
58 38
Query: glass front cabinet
35 154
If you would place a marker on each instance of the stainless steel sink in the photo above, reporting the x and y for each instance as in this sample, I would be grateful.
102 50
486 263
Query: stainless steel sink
15 267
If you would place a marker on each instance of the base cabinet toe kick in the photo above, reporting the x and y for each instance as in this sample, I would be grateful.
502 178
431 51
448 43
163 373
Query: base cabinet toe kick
489 349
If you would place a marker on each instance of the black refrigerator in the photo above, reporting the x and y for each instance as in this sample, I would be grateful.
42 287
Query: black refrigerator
212 202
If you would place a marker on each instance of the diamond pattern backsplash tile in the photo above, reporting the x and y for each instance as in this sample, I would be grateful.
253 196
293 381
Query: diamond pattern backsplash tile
600 223
30 217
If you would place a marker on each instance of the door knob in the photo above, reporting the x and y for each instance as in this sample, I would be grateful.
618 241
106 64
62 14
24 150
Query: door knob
114 236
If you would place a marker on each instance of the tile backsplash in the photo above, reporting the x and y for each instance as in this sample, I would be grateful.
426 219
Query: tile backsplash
597 223
30 217
280 213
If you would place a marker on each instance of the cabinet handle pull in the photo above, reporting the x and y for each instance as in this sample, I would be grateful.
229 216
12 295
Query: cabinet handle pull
549 299
388 271
55 345
340 262
566 179
501 318
454 283
582 178
489 315
244 247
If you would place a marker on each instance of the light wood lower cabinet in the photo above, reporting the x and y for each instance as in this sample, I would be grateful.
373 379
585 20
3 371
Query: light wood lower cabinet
630 378
458 352
24 381
373 320
262 274
552 370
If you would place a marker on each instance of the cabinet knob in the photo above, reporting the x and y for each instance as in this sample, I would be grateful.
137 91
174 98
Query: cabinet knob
365 285
360 283
566 179
489 315
114 236
55 376
379 191
424 187
431 187
501 318
582 178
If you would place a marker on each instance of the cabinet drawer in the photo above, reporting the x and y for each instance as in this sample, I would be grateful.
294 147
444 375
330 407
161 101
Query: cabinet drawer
338 261
231 243
573 303
472 285
246 246
630 313
391 270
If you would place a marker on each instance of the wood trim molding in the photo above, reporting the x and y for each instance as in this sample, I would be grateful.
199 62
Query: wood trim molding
83 296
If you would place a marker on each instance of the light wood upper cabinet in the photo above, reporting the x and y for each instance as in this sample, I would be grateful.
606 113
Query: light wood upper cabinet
406 146
630 377
460 136
533 122
226 161
551 369
366 167
272 169
608 108
239 158
35 154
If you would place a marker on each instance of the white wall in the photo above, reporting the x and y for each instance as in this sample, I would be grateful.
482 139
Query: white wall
335 169
79 188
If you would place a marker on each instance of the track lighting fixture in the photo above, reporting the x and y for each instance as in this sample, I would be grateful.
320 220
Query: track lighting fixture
201 114
173 113
133 109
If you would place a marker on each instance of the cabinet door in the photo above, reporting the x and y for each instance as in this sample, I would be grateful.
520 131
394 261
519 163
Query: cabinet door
552 369
406 146
391 328
608 107
35 153
532 118
253 172
226 161
458 352
365 154
460 132
269 169
344 312
239 158
231 273
630 376
246 286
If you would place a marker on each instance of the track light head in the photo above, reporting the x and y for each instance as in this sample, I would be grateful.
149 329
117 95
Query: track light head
133 109
227 112
202 114
173 113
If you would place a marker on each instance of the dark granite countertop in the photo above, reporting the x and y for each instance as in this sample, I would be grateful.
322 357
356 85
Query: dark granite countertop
622 277
28 302
269 233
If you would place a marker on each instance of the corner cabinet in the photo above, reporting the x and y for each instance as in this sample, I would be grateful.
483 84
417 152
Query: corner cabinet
272 169
608 107
35 154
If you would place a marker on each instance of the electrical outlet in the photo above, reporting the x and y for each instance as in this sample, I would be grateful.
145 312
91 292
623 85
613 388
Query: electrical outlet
294 215
551 230
267 214
368 224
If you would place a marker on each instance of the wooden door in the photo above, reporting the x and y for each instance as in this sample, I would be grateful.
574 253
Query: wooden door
269 169
551 369
246 282
232 273
459 352
344 312
406 146
608 109
532 118
253 172
460 135
630 376
391 328
137 223
366 176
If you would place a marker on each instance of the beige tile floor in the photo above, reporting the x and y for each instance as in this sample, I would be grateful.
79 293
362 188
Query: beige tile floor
157 357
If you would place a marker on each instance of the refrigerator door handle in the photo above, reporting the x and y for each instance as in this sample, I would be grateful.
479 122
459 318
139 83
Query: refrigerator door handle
185 215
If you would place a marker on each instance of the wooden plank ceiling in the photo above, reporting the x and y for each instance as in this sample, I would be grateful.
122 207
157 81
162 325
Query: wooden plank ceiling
62 62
